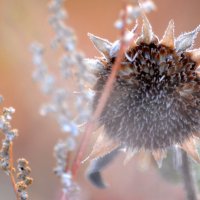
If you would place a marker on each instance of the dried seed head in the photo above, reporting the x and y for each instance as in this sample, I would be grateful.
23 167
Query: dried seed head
155 101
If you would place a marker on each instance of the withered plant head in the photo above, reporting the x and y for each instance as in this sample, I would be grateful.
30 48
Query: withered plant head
155 100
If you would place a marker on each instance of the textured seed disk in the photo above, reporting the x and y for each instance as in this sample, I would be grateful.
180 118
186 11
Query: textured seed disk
155 101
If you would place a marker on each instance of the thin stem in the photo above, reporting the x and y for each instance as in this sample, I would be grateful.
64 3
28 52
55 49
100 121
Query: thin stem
103 99
188 177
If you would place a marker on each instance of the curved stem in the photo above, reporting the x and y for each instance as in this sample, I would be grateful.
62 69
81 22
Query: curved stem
188 177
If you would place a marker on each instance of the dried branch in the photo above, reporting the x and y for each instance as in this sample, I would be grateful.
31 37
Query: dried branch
188 177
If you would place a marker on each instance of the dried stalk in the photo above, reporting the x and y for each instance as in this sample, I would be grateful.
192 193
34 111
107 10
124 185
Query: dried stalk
12 177
188 177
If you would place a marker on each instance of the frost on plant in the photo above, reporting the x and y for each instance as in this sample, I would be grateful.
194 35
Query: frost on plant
6 157
154 104
152 101
69 105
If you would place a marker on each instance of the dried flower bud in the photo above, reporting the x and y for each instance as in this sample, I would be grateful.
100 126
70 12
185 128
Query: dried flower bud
28 181
22 163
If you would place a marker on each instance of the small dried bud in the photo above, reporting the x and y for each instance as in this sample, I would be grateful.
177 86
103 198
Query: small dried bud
21 186
22 163
28 181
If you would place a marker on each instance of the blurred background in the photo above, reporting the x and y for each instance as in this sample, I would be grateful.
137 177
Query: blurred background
21 23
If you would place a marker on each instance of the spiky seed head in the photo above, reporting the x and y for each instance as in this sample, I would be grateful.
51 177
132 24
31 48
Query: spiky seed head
155 101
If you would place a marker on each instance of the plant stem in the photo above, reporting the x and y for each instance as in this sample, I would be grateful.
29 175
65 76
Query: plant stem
12 178
64 196
188 177
103 99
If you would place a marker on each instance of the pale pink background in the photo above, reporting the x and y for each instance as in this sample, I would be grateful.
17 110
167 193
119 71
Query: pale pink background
24 21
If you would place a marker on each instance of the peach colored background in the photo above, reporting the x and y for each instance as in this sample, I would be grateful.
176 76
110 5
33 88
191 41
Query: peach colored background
24 21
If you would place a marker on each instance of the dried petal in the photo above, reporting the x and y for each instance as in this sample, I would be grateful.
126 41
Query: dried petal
159 155
195 55
186 40
147 32
102 45
102 147
129 155
190 147
168 38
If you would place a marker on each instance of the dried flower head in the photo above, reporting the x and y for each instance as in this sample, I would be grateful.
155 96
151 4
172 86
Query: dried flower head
6 156
23 178
155 101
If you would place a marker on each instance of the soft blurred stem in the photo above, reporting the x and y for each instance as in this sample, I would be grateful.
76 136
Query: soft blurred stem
12 177
188 179
64 196
68 159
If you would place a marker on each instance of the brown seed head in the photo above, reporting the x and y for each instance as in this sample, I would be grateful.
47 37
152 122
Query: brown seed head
155 101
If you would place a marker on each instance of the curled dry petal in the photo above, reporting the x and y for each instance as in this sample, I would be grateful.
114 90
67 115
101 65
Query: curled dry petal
168 38
102 45
186 40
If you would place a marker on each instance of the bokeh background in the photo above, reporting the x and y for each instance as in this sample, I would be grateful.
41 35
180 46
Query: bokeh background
21 23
